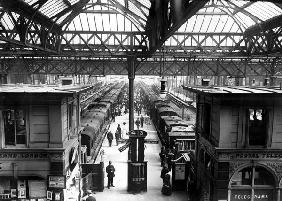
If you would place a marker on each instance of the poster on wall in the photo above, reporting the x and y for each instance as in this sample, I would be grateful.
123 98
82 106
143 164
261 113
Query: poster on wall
57 181
49 195
37 189
180 171
13 193
21 189
57 196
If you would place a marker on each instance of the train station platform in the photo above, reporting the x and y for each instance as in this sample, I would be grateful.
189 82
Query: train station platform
119 160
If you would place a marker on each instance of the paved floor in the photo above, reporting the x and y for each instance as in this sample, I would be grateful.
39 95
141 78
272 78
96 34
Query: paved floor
119 160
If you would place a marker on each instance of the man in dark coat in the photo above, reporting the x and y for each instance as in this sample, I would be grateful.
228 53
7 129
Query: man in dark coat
110 138
110 169
142 121
117 137
119 131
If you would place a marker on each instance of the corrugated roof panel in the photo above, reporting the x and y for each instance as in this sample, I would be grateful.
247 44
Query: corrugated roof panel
264 10
30 2
53 7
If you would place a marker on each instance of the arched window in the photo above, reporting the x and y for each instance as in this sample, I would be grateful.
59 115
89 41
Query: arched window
252 183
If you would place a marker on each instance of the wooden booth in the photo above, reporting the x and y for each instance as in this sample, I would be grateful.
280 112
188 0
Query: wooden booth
238 139
38 141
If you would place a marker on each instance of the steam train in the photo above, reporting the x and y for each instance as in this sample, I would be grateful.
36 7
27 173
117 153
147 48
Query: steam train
95 118
172 129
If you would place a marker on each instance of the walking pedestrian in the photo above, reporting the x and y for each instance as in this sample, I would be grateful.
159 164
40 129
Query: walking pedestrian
110 138
137 122
110 169
142 121
119 131
117 137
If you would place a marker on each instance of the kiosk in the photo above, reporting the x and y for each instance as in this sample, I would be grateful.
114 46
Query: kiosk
137 167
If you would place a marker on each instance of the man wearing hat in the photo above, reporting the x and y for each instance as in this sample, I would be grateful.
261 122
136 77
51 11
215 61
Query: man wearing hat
90 196
110 169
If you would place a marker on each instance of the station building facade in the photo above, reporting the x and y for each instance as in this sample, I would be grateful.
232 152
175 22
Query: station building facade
38 141
238 143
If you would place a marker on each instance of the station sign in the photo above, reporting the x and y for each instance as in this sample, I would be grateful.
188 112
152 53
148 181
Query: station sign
122 148
137 133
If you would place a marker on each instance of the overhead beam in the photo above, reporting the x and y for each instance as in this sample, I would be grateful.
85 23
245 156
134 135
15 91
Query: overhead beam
160 27
181 67
264 26
22 8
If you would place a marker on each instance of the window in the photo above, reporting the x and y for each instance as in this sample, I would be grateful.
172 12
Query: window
257 127
70 114
185 145
14 126
252 183
205 120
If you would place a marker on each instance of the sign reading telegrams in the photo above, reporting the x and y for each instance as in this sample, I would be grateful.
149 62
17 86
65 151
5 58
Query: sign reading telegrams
250 156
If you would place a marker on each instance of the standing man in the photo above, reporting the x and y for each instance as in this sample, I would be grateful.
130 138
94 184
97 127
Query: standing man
137 122
119 131
117 137
110 169
110 138
142 121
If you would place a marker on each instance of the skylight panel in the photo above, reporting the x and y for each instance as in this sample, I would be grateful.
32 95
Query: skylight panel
197 27
121 2
30 2
113 22
135 10
239 3
213 25
106 22
73 1
120 22
61 19
264 10
245 20
84 21
99 23
91 22
7 22
146 3
77 23
52 7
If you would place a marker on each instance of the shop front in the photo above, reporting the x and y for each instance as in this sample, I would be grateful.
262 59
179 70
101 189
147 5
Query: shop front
253 183
23 188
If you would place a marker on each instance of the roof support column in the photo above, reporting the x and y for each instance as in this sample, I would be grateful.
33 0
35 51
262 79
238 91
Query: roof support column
131 75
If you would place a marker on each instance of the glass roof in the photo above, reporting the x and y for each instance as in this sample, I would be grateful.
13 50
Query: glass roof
111 15
56 10
211 25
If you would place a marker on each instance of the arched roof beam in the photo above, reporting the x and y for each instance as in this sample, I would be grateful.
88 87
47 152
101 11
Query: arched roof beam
264 26
75 10
113 9
30 13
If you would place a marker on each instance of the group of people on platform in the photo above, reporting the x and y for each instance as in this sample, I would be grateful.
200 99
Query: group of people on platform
118 136
167 155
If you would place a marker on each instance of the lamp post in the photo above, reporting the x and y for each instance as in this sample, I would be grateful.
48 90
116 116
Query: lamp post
79 145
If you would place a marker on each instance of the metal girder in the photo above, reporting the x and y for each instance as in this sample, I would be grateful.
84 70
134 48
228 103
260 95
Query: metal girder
269 24
27 34
32 14
163 20
99 67
264 38
92 44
